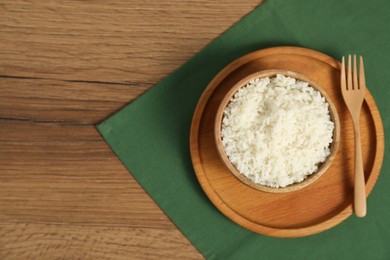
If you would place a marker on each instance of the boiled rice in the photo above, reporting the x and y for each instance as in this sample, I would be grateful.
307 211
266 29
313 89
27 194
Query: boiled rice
276 131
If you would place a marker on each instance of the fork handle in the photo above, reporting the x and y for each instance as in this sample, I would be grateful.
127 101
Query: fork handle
360 184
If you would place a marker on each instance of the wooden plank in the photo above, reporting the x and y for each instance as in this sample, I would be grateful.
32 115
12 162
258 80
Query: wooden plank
64 194
53 173
50 241
109 41
63 101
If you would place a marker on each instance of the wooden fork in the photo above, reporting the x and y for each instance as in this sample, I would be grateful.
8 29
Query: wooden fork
353 93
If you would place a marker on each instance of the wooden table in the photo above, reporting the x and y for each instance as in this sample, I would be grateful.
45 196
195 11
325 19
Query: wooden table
64 67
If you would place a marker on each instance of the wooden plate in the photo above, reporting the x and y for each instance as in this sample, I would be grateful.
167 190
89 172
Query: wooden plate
310 210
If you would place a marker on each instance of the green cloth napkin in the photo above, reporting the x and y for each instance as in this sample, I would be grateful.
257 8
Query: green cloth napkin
151 135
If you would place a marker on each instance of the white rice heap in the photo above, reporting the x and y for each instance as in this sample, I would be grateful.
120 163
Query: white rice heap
276 131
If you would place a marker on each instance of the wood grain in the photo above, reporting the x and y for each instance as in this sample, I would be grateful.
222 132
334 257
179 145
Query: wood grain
65 66
327 201
108 41
53 241
63 101
55 173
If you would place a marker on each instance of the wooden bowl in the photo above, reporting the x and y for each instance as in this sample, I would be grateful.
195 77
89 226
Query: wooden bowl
295 186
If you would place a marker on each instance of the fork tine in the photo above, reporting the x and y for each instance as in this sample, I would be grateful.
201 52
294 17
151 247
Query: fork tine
362 79
355 74
349 77
343 79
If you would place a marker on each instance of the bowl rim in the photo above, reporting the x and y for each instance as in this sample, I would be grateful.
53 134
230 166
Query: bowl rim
295 186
